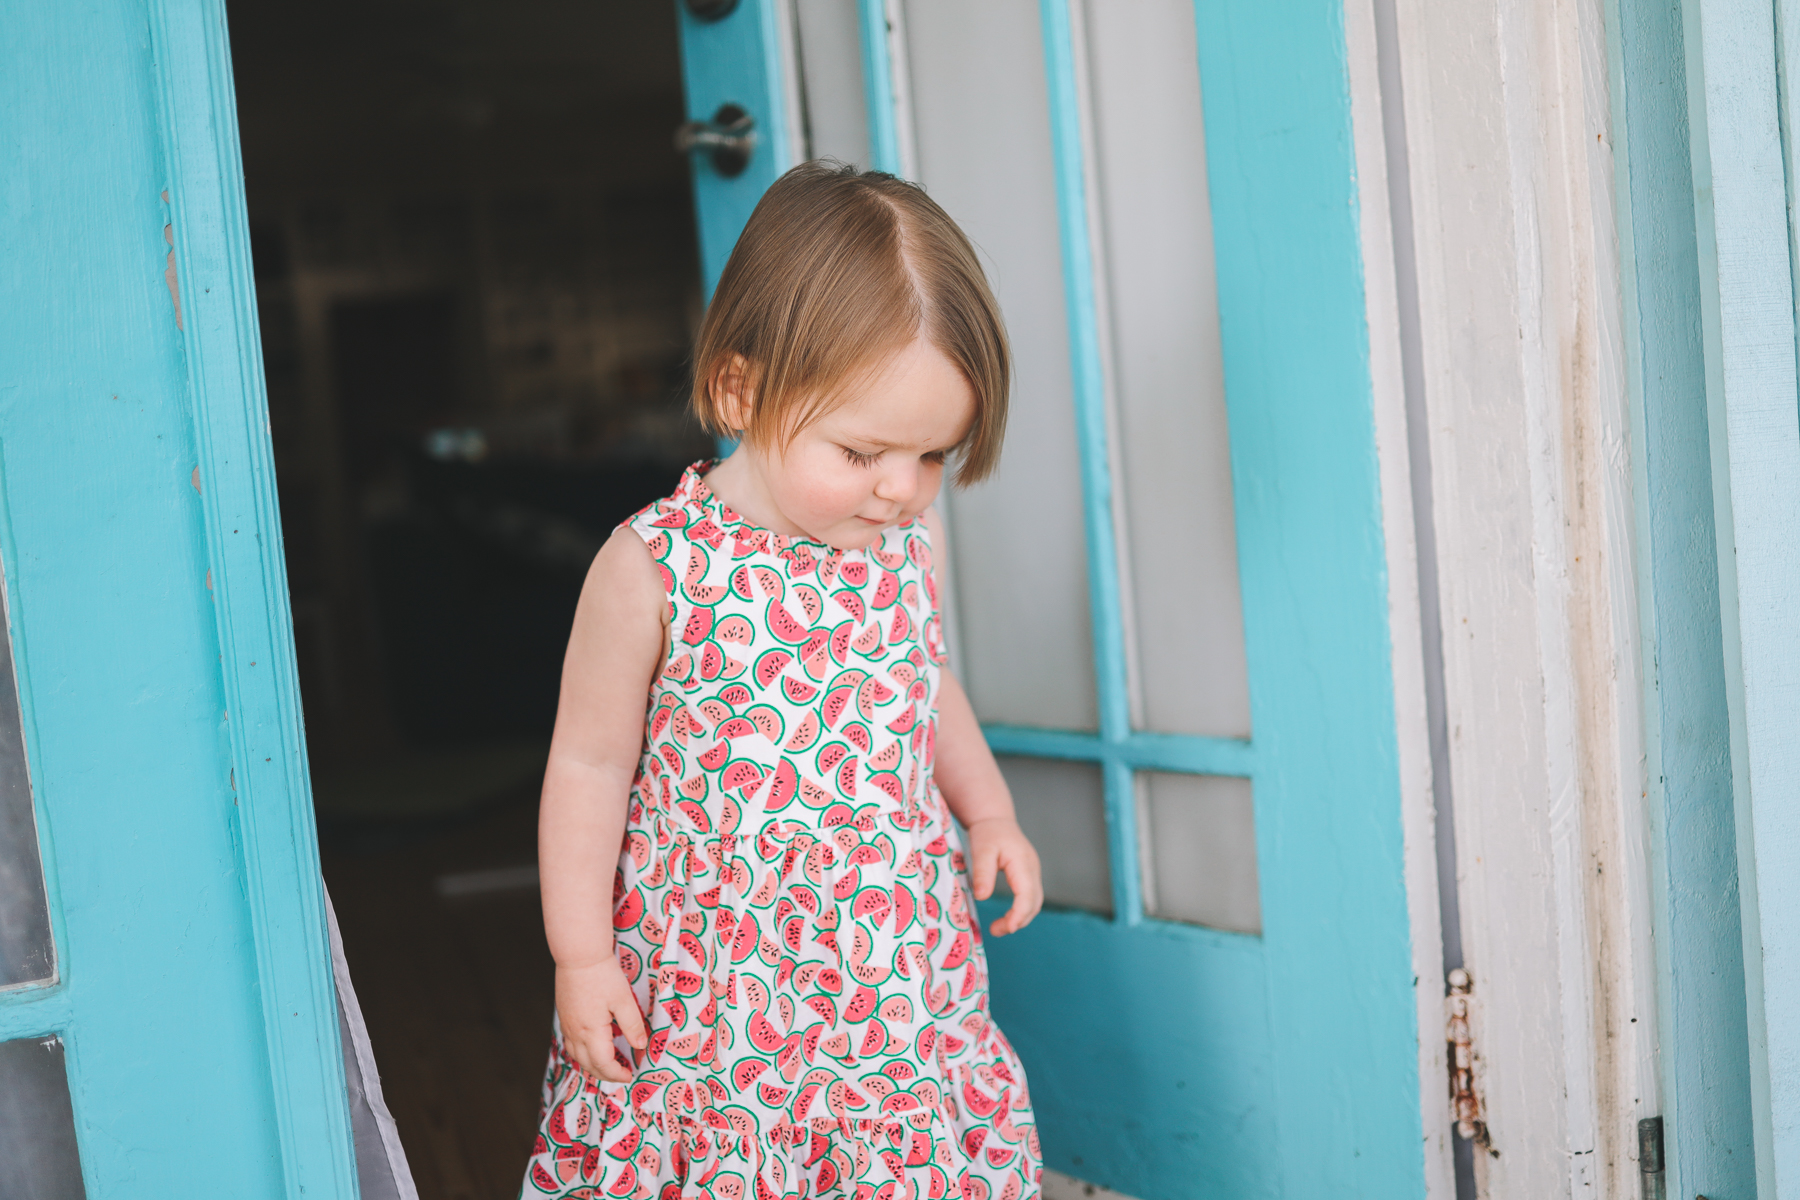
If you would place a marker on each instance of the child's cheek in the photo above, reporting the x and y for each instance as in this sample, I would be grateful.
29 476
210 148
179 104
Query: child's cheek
827 490
931 481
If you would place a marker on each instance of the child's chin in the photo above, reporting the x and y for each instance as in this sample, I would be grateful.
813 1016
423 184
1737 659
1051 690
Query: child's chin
855 539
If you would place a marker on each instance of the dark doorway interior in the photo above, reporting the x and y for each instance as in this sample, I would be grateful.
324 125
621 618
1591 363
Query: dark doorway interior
477 277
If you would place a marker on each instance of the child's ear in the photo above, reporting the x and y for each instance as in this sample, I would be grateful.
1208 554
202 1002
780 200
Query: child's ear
732 392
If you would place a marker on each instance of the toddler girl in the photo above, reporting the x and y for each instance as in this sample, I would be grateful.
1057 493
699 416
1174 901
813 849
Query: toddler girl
790 998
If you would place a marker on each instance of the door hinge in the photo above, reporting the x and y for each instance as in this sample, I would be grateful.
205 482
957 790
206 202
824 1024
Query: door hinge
1652 1183
1465 1105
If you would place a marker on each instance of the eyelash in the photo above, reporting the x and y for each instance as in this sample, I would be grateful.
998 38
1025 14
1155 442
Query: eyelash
859 459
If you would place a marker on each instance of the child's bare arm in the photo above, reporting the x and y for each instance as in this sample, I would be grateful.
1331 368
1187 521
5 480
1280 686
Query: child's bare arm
976 792
614 650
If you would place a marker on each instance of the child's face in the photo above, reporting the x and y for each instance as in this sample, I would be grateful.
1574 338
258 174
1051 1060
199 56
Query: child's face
878 459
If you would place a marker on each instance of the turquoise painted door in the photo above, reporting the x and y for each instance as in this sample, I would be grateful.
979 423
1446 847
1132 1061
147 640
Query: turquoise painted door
732 70
1171 607
167 1022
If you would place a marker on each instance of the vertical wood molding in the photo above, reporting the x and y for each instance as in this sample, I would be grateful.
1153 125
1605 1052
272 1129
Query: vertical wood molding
1610 651
1492 686
1747 321
1411 722
876 38
249 587
1506 114
1307 479
1062 72
1700 1044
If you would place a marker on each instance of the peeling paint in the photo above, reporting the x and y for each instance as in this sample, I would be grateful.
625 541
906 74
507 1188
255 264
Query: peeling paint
169 273
196 478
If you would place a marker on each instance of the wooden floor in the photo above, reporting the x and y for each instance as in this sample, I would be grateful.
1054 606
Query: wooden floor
457 992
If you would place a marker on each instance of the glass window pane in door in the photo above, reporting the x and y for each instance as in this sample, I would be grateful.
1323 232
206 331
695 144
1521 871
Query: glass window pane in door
1018 551
1168 382
829 41
1062 809
38 1156
26 952
1198 847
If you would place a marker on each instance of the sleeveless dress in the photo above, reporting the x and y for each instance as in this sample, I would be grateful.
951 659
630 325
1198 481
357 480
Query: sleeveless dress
790 904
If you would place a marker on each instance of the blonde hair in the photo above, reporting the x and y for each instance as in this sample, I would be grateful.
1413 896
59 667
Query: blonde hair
836 271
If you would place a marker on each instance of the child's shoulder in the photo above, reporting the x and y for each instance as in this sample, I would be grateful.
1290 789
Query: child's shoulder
676 510
627 567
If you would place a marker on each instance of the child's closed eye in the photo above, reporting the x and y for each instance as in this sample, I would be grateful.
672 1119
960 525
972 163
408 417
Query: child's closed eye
860 459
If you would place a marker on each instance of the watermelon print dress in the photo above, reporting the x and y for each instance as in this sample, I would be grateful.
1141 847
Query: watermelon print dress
790 904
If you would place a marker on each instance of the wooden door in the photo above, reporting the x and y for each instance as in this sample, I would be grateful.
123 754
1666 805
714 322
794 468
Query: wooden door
1171 606
167 1024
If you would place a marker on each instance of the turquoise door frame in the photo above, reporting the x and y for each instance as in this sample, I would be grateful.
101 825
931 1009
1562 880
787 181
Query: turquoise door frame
1708 1124
1739 59
1166 1059
875 35
149 619
1706 149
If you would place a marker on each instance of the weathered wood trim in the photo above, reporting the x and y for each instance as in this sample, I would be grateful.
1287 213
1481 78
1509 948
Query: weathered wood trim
1507 119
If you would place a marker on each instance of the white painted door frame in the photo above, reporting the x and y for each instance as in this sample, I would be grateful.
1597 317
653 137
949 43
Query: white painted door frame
1370 119
1522 392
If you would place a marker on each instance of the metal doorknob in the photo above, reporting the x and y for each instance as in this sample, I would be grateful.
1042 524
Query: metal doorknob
729 139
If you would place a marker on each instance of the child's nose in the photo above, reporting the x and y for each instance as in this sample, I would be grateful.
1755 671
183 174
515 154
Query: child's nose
898 484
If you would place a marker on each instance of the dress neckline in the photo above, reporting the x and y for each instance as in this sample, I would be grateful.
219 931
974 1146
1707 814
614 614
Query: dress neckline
695 488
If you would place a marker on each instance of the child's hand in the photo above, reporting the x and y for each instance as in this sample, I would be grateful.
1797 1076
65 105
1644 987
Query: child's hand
588 1000
998 844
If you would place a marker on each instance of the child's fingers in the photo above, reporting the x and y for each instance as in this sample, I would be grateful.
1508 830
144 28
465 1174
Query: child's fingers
608 1066
631 1021
597 1058
983 871
1028 898
1013 920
